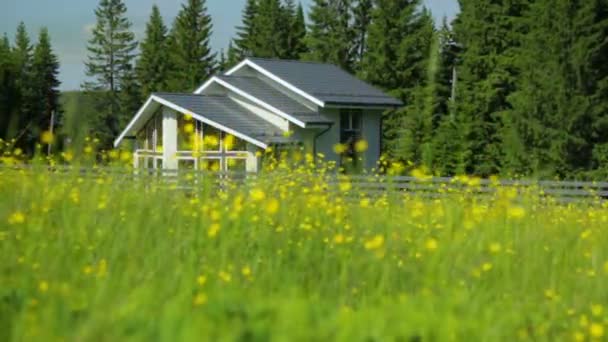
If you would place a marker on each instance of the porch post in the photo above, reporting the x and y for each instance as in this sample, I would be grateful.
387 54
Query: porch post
169 139
251 164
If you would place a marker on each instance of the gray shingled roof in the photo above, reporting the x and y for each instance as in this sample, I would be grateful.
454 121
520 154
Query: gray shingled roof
266 93
326 82
226 112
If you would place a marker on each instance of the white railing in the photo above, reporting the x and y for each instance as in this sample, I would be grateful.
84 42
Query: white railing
197 158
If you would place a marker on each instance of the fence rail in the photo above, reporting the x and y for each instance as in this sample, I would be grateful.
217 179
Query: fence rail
365 185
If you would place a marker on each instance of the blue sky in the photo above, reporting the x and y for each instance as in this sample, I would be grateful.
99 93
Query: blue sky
69 22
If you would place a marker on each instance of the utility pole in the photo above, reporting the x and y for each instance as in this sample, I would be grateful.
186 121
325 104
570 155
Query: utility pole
52 124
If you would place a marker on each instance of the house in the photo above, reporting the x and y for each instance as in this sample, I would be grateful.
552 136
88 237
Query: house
257 104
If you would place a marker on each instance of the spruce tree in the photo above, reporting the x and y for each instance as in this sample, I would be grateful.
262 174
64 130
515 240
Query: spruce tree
447 159
558 124
8 89
244 42
271 30
22 54
45 87
331 37
111 53
296 35
489 34
416 122
153 65
400 37
362 17
191 56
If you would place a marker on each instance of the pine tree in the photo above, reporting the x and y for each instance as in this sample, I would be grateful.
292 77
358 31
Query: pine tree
130 97
8 89
111 53
416 121
22 52
400 37
489 34
153 65
296 35
363 17
191 56
222 63
45 87
594 36
232 57
447 159
331 37
558 124
271 30
244 43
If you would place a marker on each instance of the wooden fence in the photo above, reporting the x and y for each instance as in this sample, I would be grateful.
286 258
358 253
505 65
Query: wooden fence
358 185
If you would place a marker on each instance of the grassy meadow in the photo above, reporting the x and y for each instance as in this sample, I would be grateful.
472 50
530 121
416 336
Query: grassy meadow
281 258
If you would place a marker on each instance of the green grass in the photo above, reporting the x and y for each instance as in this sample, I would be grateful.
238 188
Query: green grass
104 260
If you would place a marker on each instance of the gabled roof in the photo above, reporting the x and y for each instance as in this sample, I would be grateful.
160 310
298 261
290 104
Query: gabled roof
266 93
324 84
218 111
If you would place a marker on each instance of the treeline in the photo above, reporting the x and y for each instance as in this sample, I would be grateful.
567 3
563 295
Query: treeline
29 95
177 58
516 87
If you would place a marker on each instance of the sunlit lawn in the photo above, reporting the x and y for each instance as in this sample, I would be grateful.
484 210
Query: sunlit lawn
283 259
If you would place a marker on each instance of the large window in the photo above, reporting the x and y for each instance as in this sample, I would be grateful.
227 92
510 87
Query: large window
350 133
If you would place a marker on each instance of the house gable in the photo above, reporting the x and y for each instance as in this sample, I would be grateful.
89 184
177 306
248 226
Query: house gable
220 112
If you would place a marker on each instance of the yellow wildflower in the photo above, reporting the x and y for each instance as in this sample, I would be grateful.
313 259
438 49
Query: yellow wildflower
375 243
43 286
229 142
246 271
47 137
200 299
201 280
596 330
340 148
272 206
16 218
213 230
361 146
495 248
225 277
257 195
345 186
67 156
431 244
516 212
188 128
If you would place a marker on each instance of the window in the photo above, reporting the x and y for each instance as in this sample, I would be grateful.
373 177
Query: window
350 133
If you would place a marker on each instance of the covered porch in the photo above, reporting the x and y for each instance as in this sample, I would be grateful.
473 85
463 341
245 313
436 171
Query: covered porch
197 132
